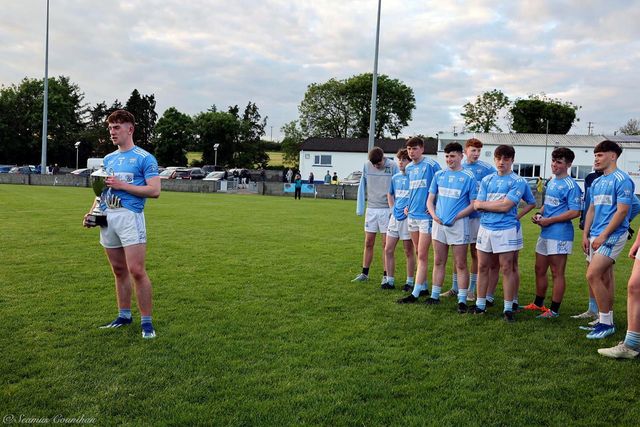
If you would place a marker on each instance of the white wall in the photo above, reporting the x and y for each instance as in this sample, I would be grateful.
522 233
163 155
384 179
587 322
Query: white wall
343 163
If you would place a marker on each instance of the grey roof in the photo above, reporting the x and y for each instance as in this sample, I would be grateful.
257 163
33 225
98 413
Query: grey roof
536 139
359 145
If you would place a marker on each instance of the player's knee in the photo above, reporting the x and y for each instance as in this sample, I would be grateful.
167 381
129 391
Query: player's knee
137 272
633 289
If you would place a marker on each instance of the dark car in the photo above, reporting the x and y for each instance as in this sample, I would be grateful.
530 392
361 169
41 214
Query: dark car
190 173
212 168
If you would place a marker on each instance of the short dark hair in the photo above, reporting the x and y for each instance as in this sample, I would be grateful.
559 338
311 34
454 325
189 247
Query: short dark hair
473 142
608 146
121 116
453 146
376 155
403 154
415 141
505 151
563 153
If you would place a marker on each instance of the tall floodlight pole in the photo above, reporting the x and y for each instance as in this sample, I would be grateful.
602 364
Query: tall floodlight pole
45 102
374 85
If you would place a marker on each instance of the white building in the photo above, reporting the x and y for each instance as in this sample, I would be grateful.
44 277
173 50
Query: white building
347 155
533 151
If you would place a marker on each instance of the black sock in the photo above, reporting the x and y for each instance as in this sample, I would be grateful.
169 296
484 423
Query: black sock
384 273
539 301
555 306
365 271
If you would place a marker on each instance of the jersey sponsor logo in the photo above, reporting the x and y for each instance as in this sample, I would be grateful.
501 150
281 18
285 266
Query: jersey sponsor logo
603 199
449 192
495 196
400 194
418 183
551 201
125 176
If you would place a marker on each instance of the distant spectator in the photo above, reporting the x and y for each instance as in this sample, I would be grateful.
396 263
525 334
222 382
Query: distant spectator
284 175
311 177
327 178
289 175
334 178
298 187
263 175
55 170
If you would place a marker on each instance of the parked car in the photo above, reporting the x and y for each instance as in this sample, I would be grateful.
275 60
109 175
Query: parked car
215 176
168 174
353 178
190 173
82 172
6 168
212 168
23 170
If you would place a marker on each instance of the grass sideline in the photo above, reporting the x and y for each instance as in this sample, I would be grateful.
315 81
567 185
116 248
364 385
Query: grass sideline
258 324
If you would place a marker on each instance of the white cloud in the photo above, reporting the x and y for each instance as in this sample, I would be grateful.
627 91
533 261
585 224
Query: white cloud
202 52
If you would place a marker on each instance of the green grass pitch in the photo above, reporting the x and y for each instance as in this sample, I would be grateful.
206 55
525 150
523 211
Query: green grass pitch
258 324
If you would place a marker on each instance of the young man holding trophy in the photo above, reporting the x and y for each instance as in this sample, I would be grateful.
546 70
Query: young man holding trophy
131 177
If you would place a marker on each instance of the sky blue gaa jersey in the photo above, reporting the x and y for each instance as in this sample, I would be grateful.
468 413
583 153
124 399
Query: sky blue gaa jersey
134 166
399 189
454 190
420 176
495 187
605 194
562 195
480 169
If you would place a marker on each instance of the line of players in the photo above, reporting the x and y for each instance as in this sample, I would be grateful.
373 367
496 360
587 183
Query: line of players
472 203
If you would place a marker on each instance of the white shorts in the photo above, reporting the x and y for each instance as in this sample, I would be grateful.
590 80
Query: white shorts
553 247
499 241
456 234
474 226
612 247
421 225
398 229
377 220
125 228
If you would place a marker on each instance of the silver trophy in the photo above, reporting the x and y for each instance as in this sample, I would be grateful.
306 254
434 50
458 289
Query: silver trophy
97 216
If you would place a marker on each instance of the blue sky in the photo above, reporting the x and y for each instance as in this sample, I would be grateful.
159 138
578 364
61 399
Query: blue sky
192 54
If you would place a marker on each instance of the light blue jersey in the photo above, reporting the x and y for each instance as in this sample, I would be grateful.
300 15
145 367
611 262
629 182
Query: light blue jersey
480 169
454 190
399 189
605 194
420 176
495 187
562 195
134 166
528 196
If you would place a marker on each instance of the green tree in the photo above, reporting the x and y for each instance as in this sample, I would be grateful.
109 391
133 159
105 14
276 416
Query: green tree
341 108
21 121
250 151
483 114
291 143
216 127
173 134
532 115
143 107
632 127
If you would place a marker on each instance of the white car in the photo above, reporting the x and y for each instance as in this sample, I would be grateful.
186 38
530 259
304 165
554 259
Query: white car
214 176
352 179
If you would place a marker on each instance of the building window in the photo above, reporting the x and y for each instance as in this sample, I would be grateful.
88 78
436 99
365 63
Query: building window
580 172
322 160
526 170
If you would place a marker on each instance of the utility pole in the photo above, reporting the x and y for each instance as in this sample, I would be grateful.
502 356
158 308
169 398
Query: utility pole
589 128
45 104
